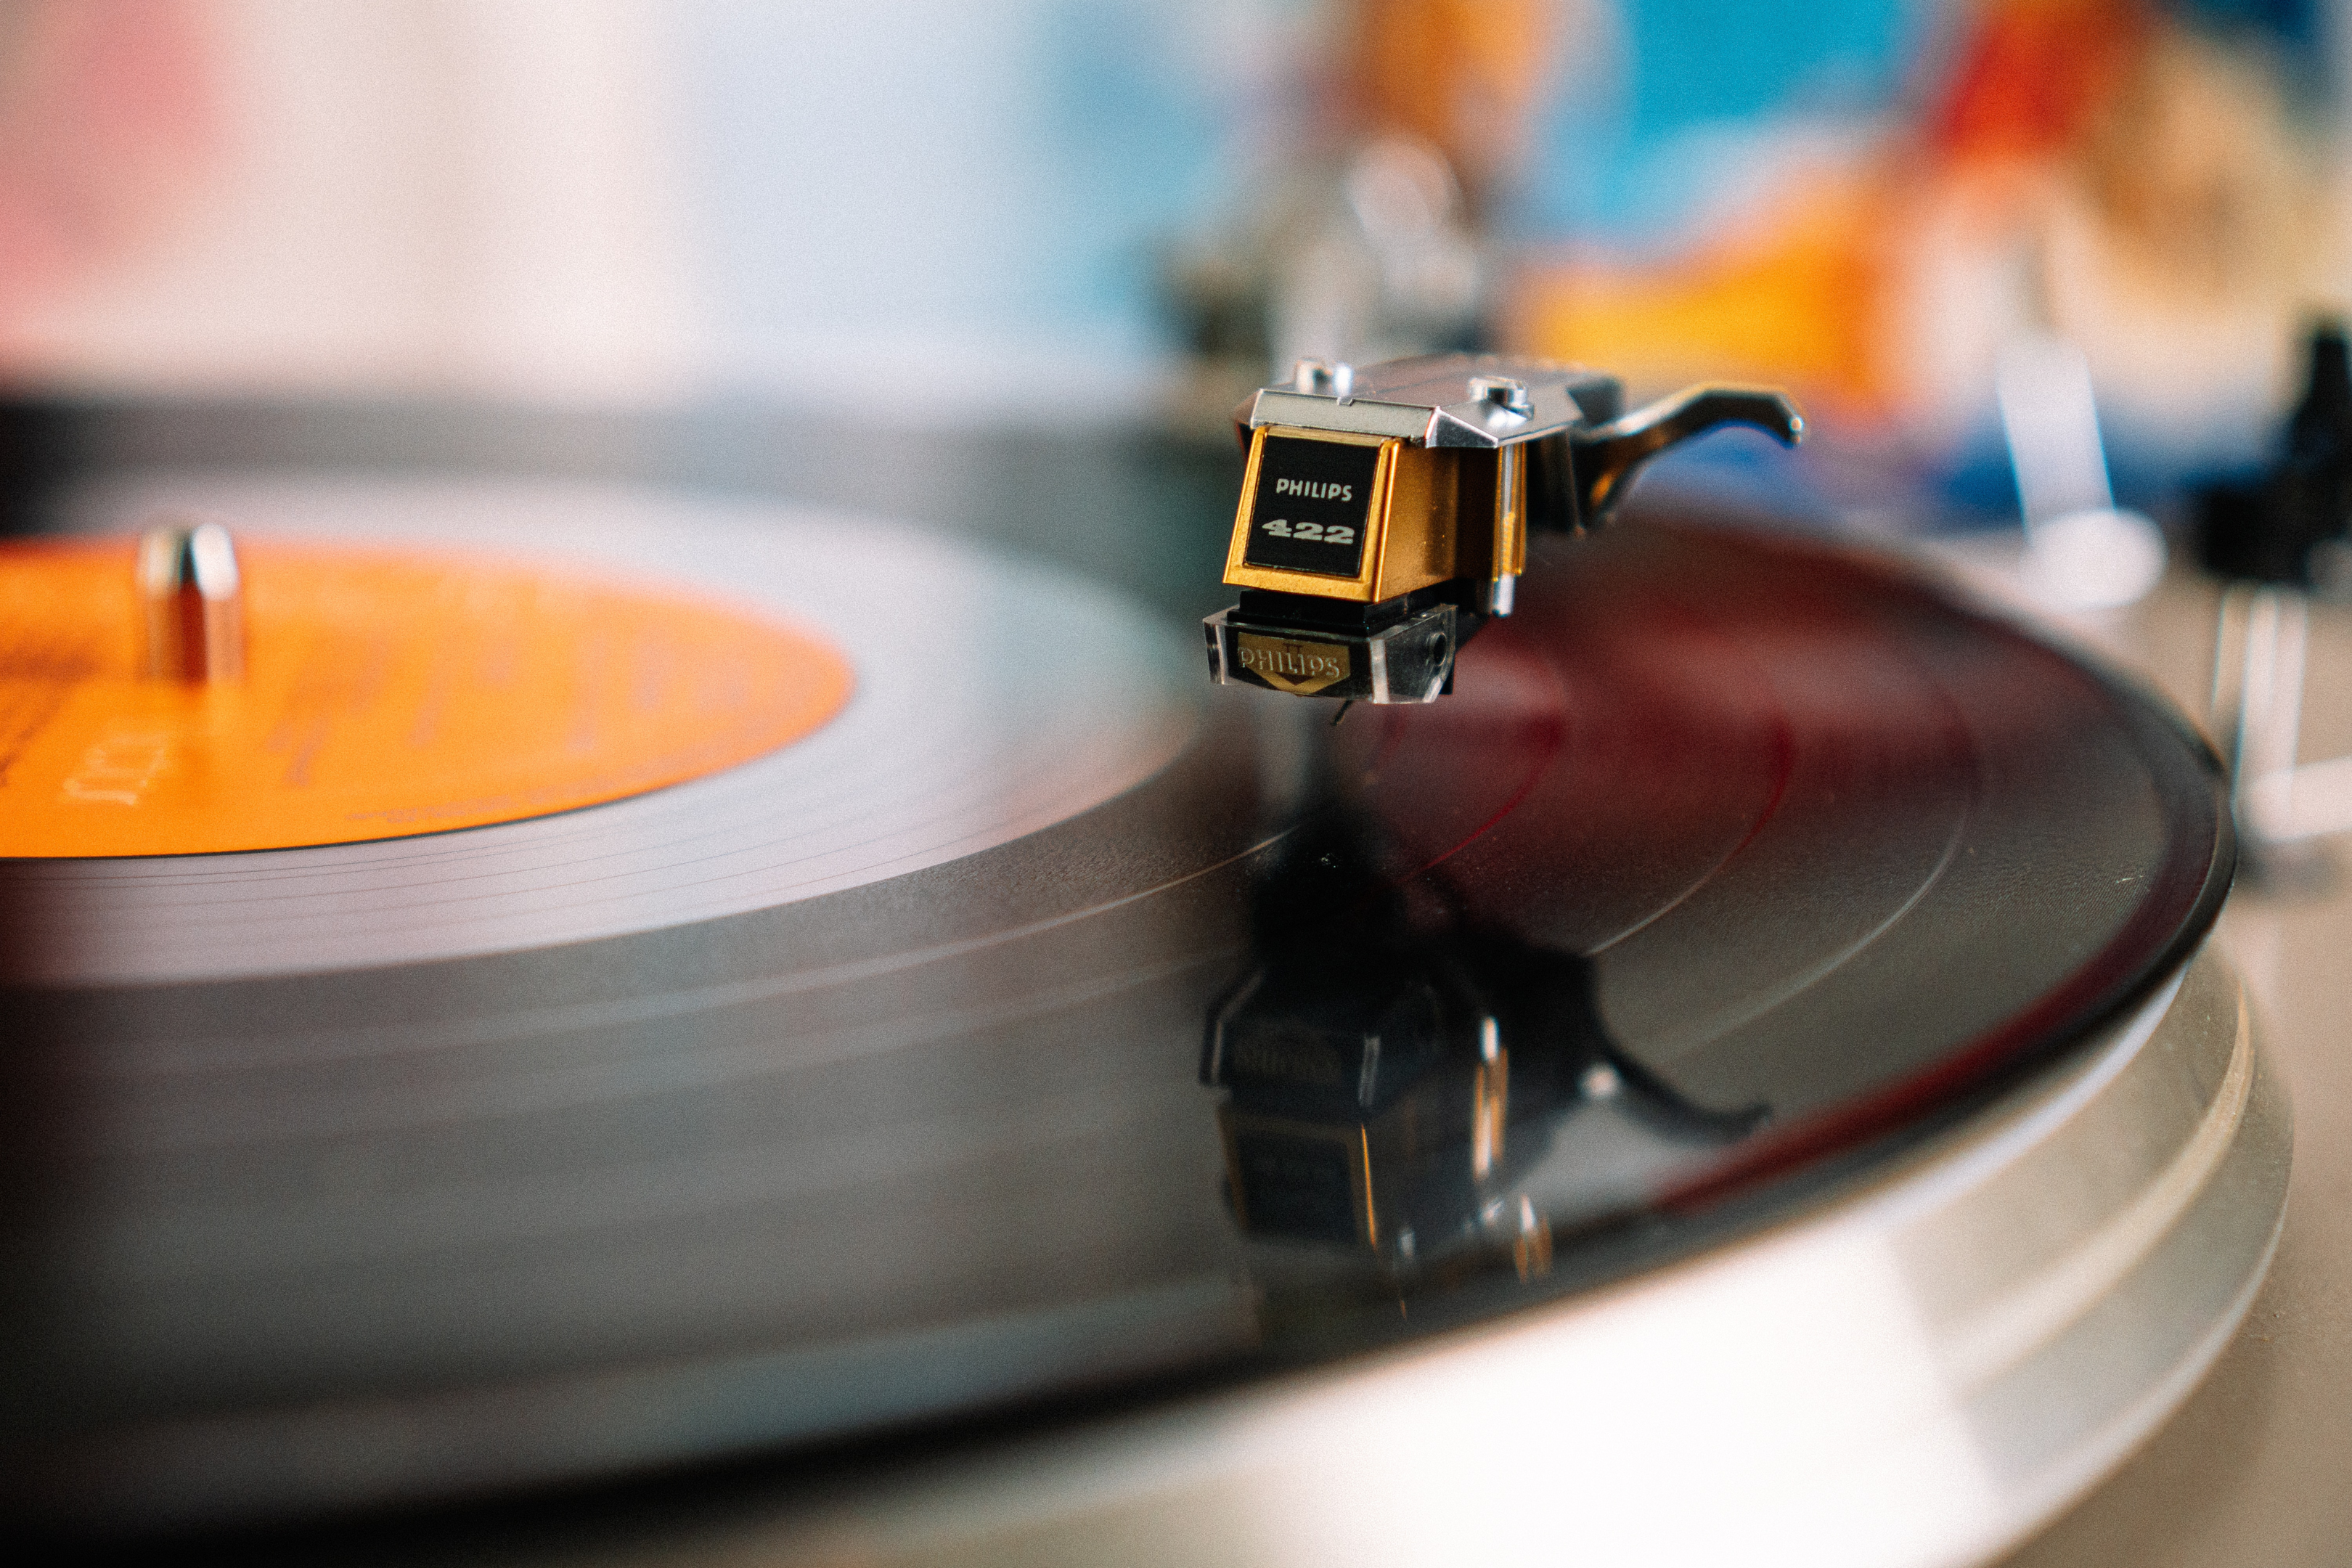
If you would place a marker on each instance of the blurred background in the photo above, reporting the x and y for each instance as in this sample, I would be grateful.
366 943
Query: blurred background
1056 216
547 231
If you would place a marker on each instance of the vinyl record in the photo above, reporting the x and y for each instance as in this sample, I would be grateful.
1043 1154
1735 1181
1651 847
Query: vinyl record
959 735
1051 1024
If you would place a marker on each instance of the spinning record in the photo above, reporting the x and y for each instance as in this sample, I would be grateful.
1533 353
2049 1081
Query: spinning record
860 703
1048 1023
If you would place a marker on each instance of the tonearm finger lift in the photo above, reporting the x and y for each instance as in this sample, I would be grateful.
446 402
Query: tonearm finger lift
1385 512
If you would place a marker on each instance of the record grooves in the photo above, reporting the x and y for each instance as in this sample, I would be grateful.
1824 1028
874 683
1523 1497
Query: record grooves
1738 877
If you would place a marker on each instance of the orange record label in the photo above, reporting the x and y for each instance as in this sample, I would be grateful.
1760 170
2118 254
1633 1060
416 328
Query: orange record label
385 694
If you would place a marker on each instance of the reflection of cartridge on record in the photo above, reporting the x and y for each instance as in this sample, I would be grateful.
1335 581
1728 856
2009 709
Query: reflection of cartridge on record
1388 1087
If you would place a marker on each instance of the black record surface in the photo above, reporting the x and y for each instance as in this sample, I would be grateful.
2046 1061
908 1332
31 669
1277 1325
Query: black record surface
1732 867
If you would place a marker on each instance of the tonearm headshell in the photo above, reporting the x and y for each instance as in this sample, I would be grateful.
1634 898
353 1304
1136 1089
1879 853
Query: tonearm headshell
1385 511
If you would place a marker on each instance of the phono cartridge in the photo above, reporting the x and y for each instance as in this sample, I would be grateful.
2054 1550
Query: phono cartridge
1384 514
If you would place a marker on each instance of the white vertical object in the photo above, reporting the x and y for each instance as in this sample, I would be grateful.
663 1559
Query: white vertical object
2082 553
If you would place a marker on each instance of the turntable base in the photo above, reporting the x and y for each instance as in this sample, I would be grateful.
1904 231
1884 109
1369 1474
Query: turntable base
2251 1470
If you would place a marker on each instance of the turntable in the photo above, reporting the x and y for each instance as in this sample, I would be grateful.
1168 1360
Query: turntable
615 1025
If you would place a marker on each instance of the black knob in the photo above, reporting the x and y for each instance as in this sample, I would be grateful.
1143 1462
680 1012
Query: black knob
2266 529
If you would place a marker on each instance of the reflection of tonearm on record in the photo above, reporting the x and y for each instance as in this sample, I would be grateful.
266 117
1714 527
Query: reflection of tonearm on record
1400 1086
